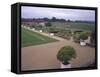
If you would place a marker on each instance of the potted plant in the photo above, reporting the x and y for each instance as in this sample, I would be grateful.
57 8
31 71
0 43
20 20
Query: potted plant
83 36
65 54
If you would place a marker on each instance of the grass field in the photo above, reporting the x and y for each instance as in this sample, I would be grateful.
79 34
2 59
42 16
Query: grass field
29 38
74 25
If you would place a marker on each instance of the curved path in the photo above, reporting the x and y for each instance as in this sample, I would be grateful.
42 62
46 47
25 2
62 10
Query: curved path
44 56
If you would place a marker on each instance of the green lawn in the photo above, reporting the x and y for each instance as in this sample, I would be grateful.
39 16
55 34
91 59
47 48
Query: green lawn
74 25
29 38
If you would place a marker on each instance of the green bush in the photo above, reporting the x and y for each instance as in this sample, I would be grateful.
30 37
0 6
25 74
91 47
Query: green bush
76 38
33 26
83 36
48 24
38 27
53 30
65 54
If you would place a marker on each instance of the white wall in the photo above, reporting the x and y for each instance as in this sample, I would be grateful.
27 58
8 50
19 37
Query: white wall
5 38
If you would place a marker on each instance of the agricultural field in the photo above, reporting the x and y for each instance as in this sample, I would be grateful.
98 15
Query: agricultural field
32 38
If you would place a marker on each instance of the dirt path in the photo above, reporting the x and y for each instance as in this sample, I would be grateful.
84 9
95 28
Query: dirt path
44 56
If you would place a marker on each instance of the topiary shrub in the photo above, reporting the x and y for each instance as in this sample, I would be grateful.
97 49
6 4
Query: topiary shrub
65 54
48 24
53 30
83 36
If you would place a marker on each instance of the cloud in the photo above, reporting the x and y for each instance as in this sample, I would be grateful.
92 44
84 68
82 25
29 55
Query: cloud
73 14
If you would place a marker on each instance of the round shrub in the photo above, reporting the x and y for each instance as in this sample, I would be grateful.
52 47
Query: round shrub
65 54
83 36
48 24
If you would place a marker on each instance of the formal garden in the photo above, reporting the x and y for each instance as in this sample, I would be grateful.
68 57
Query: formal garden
67 30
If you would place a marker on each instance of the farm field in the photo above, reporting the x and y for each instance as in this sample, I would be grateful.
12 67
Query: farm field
32 38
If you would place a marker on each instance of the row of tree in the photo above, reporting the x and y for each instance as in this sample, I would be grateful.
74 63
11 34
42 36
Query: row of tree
53 19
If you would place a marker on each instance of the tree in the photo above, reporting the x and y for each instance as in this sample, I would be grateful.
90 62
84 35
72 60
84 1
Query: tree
68 20
65 54
53 19
48 24
46 19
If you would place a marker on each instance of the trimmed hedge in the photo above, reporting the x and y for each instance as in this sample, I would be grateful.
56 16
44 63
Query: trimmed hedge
65 54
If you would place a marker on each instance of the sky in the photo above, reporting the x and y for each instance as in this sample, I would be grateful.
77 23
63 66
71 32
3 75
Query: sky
60 13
